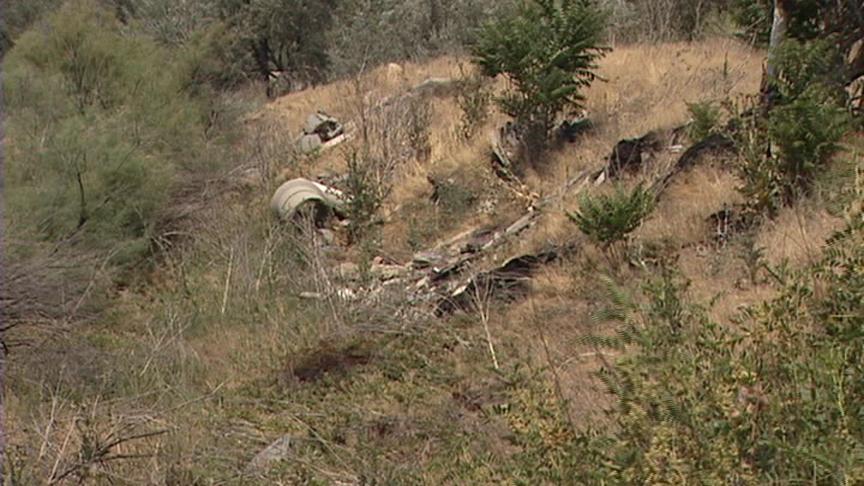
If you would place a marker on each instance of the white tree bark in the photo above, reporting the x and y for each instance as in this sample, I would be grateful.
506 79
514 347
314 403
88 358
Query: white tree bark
779 29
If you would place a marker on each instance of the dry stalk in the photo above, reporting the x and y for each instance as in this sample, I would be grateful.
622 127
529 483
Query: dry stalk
227 281
481 298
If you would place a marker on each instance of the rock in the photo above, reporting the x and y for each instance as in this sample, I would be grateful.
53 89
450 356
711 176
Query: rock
348 270
570 130
434 87
309 143
855 58
328 237
279 450
629 155
395 73
856 93
426 259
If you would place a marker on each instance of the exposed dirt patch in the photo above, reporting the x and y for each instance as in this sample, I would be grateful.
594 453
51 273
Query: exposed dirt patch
329 361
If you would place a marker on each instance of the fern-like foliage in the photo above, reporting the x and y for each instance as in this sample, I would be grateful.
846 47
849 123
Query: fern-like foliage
608 219
548 52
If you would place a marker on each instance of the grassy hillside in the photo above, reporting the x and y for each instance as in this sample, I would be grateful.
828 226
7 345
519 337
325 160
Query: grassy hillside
193 363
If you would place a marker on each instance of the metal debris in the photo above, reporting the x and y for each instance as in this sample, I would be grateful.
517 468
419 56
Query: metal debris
298 192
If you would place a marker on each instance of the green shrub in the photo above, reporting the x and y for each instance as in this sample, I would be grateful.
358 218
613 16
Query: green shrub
755 18
785 145
777 400
806 133
367 190
474 98
705 118
282 38
168 21
805 64
548 52
98 137
18 16
609 219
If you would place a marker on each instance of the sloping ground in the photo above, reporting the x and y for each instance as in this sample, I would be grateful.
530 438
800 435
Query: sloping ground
219 357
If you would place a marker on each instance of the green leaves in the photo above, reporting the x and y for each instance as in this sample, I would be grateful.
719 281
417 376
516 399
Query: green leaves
779 399
807 132
548 51
609 219
102 126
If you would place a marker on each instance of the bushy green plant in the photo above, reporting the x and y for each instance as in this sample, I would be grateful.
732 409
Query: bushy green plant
474 98
548 51
705 120
755 17
806 133
778 401
99 138
782 149
608 219
804 64
18 16
367 191
282 38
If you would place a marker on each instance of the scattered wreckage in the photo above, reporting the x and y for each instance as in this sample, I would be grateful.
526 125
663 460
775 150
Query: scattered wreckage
321 132
451 276
298 193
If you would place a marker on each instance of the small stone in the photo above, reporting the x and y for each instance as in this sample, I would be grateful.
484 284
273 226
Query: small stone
348 269
277 451
309 143
328 237
426 259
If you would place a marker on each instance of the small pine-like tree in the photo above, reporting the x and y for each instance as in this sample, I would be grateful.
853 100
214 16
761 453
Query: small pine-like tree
610 218
548 51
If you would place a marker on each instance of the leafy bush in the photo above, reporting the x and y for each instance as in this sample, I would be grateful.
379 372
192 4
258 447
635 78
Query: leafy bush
367 190
779 401
169 21
548 52
755 17
285 39
784 147
609 219
18 16
705 120
803 64
473 97
98 137
806 133
776 399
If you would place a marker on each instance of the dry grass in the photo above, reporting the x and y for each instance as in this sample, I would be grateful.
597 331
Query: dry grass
797 235
644 88
681 215
225 382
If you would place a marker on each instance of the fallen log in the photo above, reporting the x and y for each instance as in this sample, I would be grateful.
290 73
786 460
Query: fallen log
507 280
714 144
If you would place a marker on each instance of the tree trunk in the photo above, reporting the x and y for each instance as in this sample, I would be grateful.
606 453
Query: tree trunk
779 29
82 209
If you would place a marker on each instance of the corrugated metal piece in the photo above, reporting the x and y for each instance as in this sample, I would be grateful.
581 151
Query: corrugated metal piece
297 192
